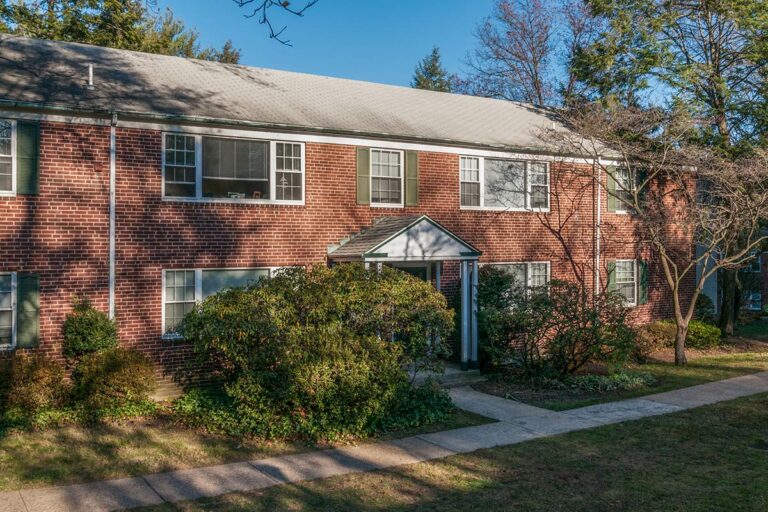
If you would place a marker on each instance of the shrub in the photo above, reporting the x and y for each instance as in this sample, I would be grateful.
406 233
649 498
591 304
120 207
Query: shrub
316 354
35 383
703 336
555 333
619 381
113 379
87 330
652 337
704 310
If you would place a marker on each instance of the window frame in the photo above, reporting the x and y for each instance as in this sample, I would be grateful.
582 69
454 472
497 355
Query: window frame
526 186
635 281
14 159
527 264
199 289
272 172
622 208
14 305
401 204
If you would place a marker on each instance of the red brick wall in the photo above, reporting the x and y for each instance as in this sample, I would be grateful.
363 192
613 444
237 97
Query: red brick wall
62 233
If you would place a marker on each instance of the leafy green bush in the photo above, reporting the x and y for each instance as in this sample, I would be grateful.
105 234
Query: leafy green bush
316 354
703 336
704 310
87 330
113 379
554 333
653 337
35 383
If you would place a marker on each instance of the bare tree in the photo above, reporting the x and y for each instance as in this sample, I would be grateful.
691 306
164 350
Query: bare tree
262 9
693 208
514 53
581 29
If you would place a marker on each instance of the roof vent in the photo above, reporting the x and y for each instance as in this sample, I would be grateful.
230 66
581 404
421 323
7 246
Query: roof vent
90 78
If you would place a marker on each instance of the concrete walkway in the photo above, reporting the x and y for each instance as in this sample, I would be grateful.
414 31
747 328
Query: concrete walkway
516 423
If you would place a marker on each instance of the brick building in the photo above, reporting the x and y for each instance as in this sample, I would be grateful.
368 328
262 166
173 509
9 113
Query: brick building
147 182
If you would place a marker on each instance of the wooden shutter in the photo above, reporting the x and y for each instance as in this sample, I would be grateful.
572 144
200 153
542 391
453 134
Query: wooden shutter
411 178
642 282
611 187
28 311
27 160
363 176
611 276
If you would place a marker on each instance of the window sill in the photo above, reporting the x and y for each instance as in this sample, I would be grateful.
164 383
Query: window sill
503 209
172 337
7 348
385 205
7 194
224 200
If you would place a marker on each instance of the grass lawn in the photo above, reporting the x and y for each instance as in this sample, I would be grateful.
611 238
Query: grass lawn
740 358
78 454
713 458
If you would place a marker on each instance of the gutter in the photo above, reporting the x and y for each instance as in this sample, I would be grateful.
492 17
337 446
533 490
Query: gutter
112 211
598 221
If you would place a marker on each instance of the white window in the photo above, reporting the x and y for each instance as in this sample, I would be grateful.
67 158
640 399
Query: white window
529 275
502 184
7 153
754 263
470 181
624 189
7 310
183 288
626 280
207 168
386 177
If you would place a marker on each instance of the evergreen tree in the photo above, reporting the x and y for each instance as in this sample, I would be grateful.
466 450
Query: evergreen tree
125 24
431 75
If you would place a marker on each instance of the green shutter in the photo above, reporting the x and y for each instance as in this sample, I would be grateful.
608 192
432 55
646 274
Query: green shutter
611 186
363 176
611 276
27 161
642 276
28 311
411 178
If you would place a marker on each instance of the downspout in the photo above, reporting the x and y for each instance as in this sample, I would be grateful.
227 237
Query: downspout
598 207
112 206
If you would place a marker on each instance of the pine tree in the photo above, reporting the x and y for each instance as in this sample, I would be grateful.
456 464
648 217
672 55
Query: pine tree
431 75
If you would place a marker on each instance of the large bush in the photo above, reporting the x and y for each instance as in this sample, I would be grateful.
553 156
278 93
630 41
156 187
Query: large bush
555 332
113 379
661 334
317 353
35 383
87 330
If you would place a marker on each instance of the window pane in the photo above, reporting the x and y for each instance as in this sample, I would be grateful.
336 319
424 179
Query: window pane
6 169
539 197
470 194
625 279
6 327
288 186
235 168
470 169
216 280
5 282
504 183
538 274
5 300
385 190
517 270
179 165
6 133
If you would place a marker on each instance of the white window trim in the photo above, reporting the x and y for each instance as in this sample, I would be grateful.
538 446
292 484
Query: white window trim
14 160
527 186
13 312
401 204
636 282
527 264
199 289
272 173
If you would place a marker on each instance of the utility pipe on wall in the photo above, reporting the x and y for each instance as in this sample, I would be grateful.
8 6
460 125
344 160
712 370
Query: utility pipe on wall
112 199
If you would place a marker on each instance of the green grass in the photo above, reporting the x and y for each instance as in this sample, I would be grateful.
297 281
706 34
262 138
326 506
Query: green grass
69 455
714 458
699 370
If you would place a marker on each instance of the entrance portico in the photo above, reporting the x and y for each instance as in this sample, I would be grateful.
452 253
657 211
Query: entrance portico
419 245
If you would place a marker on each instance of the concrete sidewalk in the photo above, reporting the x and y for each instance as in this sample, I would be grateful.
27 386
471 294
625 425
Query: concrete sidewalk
516 423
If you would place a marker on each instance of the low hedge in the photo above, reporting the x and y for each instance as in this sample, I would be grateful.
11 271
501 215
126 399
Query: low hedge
661 334
35 383
87 330
113 379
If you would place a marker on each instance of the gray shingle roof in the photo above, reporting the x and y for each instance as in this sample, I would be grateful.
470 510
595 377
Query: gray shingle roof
53 74
370 238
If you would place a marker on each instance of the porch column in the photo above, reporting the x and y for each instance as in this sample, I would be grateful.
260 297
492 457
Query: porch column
473 361
465 314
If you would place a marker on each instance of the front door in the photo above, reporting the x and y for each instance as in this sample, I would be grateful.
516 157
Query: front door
420 270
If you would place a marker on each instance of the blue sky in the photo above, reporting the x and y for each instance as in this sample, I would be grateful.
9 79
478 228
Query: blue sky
374 40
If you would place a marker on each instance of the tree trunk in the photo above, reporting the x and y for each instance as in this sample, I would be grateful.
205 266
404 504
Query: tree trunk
727 308
680 335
